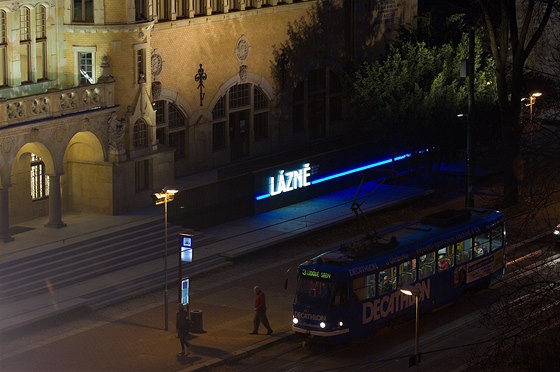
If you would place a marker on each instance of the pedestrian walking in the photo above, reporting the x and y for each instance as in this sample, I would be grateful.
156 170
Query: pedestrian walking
182 325
260 312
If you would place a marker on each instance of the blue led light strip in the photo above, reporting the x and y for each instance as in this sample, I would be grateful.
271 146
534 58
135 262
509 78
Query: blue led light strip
351 171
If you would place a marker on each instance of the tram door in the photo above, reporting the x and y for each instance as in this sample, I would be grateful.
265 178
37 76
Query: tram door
239 134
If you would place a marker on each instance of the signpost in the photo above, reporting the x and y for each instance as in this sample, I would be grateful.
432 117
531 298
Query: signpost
184 256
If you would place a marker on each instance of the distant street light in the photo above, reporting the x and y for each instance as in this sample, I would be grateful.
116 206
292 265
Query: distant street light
163 197
532 99
413 291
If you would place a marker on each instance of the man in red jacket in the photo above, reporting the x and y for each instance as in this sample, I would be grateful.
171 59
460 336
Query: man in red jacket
260 312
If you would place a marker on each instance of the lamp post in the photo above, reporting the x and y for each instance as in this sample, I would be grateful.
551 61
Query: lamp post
532 99
163 197
413 291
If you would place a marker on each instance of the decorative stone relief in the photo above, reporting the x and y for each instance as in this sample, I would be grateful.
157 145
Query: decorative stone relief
7 144
116 130
156 90
157 63
243 72
242 49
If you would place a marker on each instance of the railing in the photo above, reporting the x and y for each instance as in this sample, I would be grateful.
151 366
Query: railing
56 103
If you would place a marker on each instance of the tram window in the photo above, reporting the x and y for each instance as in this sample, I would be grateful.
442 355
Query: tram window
427 266
464 251
387 279
340 294
445 258
407 272
481 244
364 287
497 238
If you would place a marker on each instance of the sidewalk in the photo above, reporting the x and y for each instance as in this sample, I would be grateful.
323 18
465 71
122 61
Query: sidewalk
226 242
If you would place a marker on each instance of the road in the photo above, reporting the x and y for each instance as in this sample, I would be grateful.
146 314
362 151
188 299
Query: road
128 336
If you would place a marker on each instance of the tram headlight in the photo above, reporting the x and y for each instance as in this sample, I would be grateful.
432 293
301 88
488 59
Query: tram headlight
322 325
295 320
340 324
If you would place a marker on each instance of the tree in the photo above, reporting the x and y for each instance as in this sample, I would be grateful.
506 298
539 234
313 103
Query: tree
513 28
414 94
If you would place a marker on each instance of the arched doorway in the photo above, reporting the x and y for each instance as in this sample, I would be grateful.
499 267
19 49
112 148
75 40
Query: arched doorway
87 183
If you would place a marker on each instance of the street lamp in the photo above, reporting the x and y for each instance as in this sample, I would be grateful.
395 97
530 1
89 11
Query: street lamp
413 291
163 197
532 98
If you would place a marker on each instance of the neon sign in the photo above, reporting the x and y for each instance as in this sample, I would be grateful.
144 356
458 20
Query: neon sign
296 179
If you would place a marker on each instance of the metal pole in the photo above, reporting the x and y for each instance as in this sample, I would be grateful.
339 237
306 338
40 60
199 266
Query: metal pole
417 346
165 303
469 200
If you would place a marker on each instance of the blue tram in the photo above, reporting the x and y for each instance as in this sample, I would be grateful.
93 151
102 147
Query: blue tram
350 291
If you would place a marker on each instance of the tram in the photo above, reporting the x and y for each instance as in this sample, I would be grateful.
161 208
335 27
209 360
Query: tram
349 292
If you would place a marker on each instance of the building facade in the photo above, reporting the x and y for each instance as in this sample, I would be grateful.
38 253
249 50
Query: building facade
103 102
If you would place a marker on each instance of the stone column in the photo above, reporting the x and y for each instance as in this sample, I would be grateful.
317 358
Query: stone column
4 216
55 203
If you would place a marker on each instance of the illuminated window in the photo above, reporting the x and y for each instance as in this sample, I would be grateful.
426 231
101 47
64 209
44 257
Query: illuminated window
85 68
387 280
171 127
182 9
427 265
199 7
25 44
464 251
140 133
39 179
445 258
162 8
3 49
82 10
407 272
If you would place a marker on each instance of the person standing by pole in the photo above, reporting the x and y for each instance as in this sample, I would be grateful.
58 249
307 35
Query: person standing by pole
260 312
182 325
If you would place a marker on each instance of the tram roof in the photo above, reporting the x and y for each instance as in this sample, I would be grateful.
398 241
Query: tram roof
403 241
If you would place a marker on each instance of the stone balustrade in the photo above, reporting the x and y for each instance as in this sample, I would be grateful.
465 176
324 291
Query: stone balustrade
55 103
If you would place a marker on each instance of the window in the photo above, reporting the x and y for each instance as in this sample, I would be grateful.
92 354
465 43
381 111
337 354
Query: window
481 244
162 8
497 238
25 45
39 180
41 42
387 280
3 49
142 175
182 8
464 251
407 272
445 258
427 265
238 96
82 11
364 287
140 10
141 65
171 127
140 134
85 68
317 102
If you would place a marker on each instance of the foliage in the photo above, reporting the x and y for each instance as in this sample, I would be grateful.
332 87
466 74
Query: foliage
415 93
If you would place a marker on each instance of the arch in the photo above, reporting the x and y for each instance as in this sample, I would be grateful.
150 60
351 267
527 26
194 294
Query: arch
178 100
255 79
23 205
88 178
